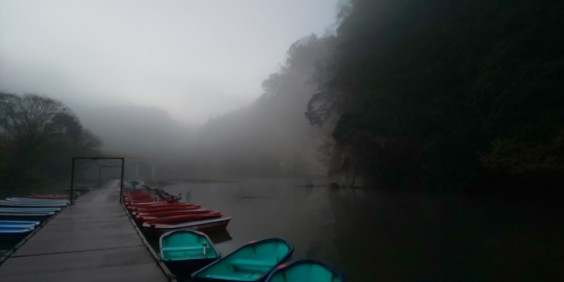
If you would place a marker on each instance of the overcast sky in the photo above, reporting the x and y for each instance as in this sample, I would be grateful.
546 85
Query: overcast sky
191 58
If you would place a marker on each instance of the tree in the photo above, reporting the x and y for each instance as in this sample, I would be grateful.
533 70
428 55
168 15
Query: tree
40 135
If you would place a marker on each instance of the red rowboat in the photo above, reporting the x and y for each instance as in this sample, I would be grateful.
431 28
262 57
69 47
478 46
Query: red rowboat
170 213
180 218
205 225
164 208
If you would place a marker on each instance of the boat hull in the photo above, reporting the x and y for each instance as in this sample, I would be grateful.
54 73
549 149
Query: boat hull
183 269
14 233
28 210
180 218
49 197
163 208
5 203
214 224
21 225
25 216
19 222
153 232
170 213
251 262
182 251
35 200
305 270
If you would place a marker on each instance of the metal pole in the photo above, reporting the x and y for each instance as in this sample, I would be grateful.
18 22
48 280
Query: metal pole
121 182
99 176
71 196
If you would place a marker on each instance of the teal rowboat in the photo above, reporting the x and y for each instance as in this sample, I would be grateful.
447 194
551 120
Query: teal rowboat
252 262
305 270
185 251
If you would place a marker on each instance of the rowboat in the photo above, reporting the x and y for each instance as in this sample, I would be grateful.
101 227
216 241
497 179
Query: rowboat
148 195
49 196
155 204
14 233
164 208
24 222
148 203
26 209
252 262
140 215
180 218
5 203
185 251
305 270
32 216
15 223
205 225
34 200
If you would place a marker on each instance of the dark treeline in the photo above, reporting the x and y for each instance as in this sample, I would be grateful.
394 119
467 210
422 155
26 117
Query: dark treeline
446 93
38 138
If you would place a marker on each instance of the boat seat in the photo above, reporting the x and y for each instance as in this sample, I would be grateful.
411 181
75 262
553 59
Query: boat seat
248 264
178 249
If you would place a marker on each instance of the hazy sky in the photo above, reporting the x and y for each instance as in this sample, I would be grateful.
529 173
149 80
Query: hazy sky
191 58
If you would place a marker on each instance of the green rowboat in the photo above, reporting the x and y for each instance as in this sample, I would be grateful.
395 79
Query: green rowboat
252 262
305 270
185 251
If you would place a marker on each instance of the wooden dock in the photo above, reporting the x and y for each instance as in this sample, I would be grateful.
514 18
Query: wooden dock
92 240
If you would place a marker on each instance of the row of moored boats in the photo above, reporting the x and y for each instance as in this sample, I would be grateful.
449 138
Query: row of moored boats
190 254
19 216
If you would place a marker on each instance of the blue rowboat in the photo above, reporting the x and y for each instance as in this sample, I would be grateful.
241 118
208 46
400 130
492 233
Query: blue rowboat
14 233
13 223
185 251
34 200
252 262
6 203
305 270
35 216
26 209
24 222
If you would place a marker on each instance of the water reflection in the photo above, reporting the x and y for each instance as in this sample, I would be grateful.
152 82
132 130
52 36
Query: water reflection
383 235
219 236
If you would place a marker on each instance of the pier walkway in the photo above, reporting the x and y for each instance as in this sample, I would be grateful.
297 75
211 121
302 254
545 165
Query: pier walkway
93 240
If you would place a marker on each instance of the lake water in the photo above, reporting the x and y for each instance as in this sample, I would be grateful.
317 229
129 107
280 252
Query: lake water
375 235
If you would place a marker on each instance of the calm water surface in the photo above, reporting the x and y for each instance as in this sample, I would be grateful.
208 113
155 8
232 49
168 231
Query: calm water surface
374 235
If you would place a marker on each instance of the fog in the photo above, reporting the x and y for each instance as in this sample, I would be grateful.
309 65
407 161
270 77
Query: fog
175 80
193 59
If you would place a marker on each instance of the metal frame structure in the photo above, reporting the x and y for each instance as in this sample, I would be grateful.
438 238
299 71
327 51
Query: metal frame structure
71 196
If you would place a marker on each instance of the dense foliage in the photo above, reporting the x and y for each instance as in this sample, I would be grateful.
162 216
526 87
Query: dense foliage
446 92
38 138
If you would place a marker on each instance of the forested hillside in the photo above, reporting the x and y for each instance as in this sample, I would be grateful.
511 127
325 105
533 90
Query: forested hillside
272 136
446 93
